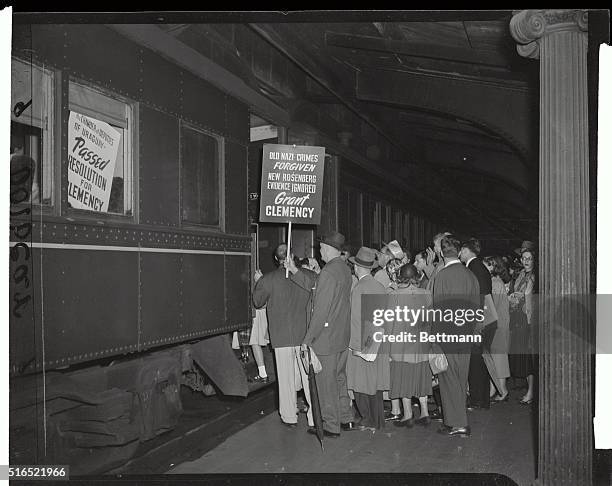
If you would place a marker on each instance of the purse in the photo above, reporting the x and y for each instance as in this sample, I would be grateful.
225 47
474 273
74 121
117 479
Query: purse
490 313
437 360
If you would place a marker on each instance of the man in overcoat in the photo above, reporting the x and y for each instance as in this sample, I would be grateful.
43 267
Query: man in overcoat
455 289
286 304
329 332
478 377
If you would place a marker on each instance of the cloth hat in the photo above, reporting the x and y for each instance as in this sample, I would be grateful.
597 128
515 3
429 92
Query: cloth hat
334 239
395 249
525 245
366 258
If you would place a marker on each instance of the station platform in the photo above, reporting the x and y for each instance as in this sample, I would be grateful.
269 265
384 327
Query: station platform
502 442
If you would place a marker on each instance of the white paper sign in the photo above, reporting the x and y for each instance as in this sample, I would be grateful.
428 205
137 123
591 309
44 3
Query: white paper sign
92 154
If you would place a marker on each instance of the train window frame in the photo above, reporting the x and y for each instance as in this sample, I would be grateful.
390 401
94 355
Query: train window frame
130 153
48 145
190 225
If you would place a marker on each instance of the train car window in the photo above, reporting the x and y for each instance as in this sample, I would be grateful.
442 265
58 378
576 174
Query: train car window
32 126
200 177
100 176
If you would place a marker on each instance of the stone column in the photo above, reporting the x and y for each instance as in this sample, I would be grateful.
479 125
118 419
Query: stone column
558 38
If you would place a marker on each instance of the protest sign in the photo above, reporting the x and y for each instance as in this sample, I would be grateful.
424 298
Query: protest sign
92 154
291 184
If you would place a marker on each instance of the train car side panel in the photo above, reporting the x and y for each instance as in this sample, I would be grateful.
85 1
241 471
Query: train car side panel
203 294
87 46
92 305
237 283
26 285
42 41
237 120
159 168
160 82
160 289
235 188
202 103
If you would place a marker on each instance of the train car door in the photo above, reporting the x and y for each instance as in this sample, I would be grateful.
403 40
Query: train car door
268 235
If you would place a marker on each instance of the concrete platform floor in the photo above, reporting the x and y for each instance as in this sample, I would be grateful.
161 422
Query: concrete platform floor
502 442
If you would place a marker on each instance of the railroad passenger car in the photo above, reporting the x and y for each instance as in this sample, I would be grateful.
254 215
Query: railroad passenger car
115 304
112 306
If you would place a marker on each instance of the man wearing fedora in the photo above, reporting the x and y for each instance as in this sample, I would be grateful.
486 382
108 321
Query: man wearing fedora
367 371
286 306
329 331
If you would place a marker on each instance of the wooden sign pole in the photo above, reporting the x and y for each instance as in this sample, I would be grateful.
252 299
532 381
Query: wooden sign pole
288 249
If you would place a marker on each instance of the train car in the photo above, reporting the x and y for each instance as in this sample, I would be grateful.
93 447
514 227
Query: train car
127 284
110 303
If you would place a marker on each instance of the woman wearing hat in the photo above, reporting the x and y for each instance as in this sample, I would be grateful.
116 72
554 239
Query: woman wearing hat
410 371
390 258
367 367
522 321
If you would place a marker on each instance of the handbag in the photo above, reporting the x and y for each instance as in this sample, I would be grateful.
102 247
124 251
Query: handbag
437 360
490 313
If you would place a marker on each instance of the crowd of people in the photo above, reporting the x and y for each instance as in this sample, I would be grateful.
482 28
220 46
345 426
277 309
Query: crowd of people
310 305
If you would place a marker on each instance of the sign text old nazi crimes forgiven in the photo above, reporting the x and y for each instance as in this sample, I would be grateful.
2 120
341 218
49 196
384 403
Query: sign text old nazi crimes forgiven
291 184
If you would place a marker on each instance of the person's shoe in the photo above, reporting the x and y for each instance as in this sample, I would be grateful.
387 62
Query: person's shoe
424 421
476 406
522 401
404 423
500 398
460 431
289 425
455 431
349 426
326 433
392 417
259 379
444 429
436 415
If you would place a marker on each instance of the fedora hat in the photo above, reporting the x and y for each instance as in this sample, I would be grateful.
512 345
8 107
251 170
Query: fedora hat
525 245
334 239
366 258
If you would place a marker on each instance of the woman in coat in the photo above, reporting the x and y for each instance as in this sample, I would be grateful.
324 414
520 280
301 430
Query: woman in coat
501 339
410 371
523 316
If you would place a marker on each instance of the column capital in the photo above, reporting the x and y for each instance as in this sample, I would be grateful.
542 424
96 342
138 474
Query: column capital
529 26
